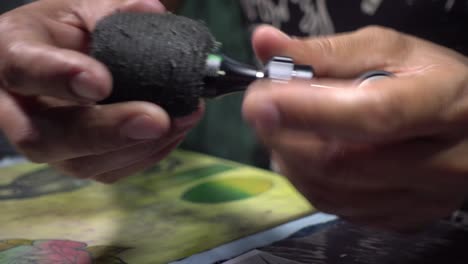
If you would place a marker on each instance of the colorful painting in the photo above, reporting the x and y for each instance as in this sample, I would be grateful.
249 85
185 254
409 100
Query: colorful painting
187 204
57 252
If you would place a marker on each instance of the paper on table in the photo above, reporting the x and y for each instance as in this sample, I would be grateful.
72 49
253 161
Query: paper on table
187 204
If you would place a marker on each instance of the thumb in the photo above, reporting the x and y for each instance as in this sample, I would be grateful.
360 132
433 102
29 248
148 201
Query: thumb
344 55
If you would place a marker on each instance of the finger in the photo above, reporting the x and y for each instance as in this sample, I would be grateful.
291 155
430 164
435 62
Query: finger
358 201
113 176
71 132
269 42
35 67
189 121
39 69
91 166
386 110
341 55
90 13
329 167
154 6
85 15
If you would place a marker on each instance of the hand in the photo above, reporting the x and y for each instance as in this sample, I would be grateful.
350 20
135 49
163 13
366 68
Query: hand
49 87
390 153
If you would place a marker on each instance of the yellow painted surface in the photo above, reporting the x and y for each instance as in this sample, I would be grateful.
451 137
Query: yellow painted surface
144 212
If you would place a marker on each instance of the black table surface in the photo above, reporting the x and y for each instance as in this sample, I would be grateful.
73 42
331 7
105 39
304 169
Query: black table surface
341 242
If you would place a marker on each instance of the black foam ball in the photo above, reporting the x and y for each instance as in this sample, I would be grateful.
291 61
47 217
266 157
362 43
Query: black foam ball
159 58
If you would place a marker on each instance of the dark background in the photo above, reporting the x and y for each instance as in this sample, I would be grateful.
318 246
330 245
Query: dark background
10 4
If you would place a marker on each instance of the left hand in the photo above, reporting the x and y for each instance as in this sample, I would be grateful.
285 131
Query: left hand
49 87
391 153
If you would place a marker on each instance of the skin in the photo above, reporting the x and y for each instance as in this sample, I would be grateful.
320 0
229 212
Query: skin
390 153
49 88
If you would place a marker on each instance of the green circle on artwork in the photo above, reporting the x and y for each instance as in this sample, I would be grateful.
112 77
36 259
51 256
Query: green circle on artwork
227 190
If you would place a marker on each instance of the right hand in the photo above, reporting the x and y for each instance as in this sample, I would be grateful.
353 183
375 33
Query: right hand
389 153
49 87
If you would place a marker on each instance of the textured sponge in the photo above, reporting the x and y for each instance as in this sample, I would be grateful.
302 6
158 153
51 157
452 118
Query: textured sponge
159 58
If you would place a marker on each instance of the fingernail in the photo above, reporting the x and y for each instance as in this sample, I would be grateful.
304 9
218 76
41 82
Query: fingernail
83 86
148 6
275 30
266 118
282 34
141 128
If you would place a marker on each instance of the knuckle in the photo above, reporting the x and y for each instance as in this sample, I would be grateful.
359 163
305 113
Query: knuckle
386 41
10 72
382 118
375 30
325 45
